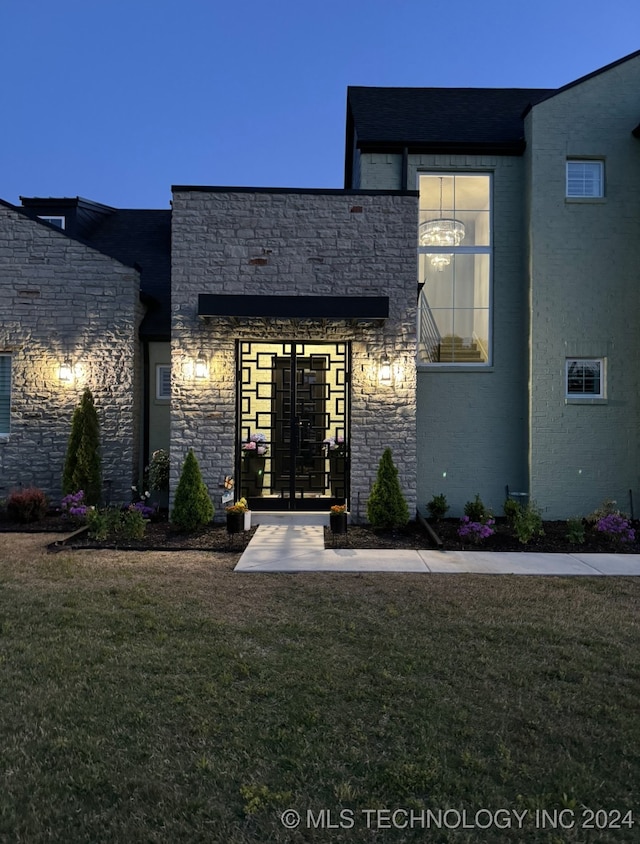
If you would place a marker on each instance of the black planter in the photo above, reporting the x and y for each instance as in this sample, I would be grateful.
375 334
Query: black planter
235 522
338 522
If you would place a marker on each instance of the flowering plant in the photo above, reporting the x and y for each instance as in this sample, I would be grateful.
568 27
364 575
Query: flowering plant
475 531
338 509
240 506
256 443
334 444
616 527
73 505
145 511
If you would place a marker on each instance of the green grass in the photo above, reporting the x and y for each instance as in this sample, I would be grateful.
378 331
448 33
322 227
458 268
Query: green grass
162 698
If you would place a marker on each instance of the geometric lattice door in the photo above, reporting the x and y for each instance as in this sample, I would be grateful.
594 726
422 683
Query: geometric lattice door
293 423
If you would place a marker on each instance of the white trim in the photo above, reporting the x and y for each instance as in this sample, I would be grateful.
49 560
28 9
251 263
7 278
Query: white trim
598 363
579 185
54 220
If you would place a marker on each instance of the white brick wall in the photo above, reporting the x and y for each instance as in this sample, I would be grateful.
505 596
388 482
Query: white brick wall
309 243
59 301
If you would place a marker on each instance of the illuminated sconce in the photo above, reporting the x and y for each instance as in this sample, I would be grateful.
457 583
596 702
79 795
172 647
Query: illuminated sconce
65 373
384 374
201 369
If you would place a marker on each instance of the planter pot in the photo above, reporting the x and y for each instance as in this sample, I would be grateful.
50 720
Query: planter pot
247 520
253 466
338 522
235 522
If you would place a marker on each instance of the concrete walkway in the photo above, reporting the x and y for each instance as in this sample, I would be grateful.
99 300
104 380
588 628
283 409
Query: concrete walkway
298 548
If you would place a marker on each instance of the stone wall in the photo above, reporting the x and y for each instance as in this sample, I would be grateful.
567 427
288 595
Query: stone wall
294 242
61 302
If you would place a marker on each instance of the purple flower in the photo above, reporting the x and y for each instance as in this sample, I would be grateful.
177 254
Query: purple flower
616 527
475 531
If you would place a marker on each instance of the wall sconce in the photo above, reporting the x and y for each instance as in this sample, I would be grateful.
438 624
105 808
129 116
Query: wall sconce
65 373
201 369
384 373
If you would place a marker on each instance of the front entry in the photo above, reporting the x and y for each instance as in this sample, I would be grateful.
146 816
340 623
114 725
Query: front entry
293 423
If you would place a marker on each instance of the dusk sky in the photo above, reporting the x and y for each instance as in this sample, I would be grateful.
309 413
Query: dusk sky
116 101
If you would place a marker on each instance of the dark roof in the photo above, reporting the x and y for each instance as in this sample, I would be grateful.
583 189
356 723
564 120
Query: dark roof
142 239
418 117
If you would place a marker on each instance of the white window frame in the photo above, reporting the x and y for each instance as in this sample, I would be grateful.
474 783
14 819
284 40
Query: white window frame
163 371
5 433
577 185
464 250
58 222
600 363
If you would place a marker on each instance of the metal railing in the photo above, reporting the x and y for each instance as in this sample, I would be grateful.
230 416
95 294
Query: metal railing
430 337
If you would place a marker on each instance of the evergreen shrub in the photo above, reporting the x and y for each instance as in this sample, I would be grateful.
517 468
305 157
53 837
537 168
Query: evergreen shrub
192 507
82 468
387 506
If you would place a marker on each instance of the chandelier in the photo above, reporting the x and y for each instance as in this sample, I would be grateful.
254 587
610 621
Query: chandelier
443 232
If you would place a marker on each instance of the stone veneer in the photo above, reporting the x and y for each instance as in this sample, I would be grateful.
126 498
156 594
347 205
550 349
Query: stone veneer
62 301
306 242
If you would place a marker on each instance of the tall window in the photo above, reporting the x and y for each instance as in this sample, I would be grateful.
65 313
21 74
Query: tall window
454 258
5 393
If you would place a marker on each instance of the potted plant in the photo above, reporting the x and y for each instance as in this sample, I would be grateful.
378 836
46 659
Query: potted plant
236 515
338 518
254 451
336 452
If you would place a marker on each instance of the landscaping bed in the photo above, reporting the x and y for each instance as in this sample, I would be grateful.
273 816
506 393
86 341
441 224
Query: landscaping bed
161 536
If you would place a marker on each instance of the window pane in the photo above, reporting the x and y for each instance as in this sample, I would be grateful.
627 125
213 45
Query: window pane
584 178
461 198
5 393
584 378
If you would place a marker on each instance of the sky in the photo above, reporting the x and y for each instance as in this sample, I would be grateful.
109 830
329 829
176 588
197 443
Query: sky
118 100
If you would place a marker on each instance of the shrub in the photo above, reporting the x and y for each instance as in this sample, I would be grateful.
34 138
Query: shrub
511 509
27 505
159 470
114 523
607 508
528 523
192 507
387 507
475 531
616 527
82 468
575 531
438 506
476 511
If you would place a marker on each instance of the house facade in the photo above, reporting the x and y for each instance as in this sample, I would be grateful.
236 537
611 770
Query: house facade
466 299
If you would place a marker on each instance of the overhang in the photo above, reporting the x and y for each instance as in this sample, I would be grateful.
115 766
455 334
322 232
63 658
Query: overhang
293 307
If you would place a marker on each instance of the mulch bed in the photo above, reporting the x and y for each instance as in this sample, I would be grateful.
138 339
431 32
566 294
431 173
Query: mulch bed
160 536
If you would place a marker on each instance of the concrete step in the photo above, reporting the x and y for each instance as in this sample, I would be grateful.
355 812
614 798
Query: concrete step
285 517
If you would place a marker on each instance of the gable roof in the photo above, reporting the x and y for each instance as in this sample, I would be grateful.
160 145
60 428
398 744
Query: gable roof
137 238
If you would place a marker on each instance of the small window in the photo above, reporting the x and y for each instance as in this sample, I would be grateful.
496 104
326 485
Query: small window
585 179
585 378
5 393
58 222
163 381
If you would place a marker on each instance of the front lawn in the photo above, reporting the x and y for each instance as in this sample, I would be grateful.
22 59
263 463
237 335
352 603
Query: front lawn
160 697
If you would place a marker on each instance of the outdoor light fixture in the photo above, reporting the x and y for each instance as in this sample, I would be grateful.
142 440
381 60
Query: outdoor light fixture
444 232
385 371
65 373
201 369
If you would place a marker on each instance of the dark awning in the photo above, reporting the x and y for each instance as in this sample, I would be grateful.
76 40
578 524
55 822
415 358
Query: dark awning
293 307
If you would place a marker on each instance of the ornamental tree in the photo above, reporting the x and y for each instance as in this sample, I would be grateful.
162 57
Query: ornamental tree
387 506
82 466
192 507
